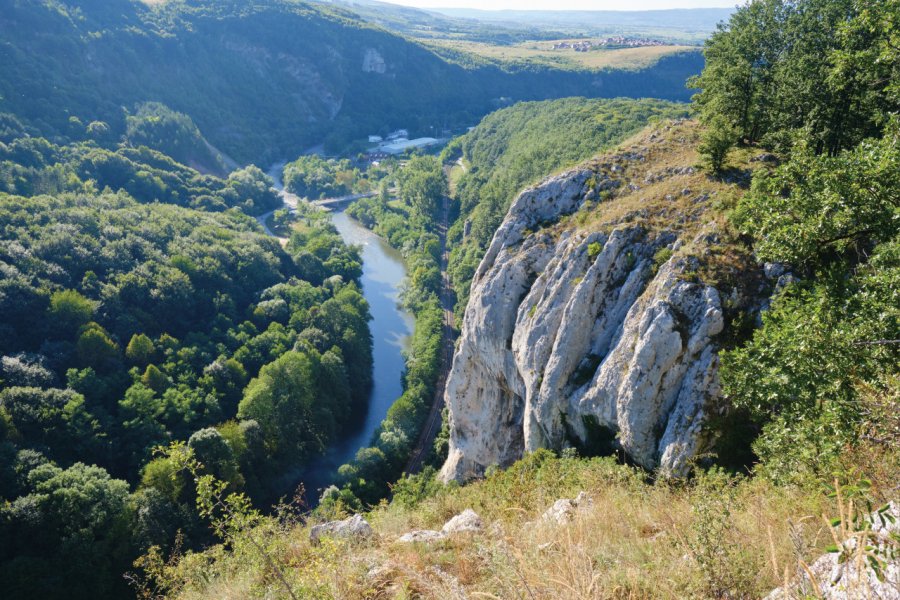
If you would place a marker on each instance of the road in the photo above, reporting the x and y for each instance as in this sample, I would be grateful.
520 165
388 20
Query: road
433 422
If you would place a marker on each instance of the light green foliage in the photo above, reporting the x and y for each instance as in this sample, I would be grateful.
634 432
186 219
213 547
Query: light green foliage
69 310
140 350
422 184
727 568
816 208
718 140
314 177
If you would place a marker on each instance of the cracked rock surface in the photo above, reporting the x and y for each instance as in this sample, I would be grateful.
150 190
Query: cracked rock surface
578 338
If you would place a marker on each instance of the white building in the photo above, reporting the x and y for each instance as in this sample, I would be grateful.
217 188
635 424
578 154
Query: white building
402 145
396 135
375 139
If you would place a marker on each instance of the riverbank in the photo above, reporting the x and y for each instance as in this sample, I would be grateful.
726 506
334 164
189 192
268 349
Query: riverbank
383 274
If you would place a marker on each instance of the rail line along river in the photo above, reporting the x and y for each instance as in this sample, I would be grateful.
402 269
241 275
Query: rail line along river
391 327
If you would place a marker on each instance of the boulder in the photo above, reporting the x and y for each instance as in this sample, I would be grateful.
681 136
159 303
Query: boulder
564 509
424 536
841 576
354 527
467 520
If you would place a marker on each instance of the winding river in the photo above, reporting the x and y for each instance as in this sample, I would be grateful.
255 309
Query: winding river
391 327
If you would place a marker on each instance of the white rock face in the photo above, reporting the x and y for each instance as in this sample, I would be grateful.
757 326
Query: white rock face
466 521
422 536
576 340
354 527
373 62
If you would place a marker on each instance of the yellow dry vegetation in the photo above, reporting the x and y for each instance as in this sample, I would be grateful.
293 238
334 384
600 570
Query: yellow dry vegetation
715 537
543 52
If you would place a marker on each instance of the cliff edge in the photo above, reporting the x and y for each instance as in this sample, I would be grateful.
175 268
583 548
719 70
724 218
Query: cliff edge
594 318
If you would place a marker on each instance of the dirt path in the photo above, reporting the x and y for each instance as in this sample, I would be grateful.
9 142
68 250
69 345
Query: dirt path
448 337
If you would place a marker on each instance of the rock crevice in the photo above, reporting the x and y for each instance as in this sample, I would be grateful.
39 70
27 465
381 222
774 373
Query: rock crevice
569 333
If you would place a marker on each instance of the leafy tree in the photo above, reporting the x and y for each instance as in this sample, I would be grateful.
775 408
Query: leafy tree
814 209
68 538
95 349
69 311
282 401
718 139
422 184
155 379
140 350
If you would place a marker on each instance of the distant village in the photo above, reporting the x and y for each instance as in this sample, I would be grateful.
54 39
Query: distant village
610 42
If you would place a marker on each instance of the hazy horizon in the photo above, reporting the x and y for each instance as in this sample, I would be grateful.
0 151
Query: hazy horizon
567 5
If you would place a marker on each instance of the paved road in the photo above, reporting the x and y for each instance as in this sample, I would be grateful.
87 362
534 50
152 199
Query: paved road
433 422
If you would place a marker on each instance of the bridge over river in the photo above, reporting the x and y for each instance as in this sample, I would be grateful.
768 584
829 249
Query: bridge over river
339 202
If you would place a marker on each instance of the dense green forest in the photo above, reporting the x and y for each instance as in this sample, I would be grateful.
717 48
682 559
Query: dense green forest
149 312
31 165
264 80
808 91
816 82
520 145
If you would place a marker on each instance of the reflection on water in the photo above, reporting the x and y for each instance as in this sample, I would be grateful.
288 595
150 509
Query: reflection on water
391 326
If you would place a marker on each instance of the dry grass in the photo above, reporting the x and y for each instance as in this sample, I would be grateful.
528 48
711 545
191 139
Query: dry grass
637 541
543 52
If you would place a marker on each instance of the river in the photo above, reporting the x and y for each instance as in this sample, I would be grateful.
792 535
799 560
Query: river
391 327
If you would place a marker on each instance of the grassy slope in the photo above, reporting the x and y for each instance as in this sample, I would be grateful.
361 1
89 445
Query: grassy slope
637 540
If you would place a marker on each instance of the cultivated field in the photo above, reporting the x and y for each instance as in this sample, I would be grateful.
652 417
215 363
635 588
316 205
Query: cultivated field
543 52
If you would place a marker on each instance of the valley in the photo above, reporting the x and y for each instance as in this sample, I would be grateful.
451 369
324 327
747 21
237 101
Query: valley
349 299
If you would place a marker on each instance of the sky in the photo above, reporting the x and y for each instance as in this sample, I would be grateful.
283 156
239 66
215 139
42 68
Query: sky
568 4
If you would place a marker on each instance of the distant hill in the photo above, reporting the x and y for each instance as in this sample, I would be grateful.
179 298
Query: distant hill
675 24
266 80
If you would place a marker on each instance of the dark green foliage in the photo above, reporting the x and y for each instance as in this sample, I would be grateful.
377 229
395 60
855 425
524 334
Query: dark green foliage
821 69
31 166
314 177
829 212
68 537
205 304
172 133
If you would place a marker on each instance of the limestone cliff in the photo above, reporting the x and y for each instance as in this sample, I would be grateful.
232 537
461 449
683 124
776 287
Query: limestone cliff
599 335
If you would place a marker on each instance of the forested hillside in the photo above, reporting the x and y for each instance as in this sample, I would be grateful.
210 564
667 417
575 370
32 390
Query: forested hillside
149 312
264 80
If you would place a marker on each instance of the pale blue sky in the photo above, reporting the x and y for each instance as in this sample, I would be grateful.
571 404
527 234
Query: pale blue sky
568 4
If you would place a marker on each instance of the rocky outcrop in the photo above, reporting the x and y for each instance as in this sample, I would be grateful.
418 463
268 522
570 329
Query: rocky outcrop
855 573
354 527
373 62
581 338
467 521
